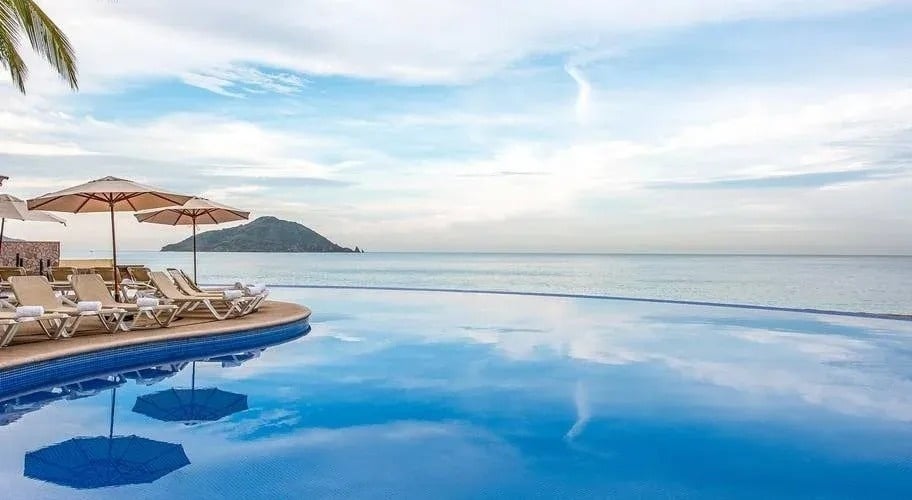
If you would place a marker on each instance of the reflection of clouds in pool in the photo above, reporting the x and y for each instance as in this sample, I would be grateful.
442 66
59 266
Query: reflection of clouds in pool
843 390
838 363
320 318
398 459
583 411
824 348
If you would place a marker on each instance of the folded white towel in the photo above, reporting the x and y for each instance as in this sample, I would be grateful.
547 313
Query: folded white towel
255 289
147 302
232 294
88 306
29 311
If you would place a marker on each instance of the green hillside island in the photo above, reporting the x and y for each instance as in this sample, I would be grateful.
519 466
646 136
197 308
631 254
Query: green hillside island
265 234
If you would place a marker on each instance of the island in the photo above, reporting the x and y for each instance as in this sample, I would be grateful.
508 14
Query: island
265 234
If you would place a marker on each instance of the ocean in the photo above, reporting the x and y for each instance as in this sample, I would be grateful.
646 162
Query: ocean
846 283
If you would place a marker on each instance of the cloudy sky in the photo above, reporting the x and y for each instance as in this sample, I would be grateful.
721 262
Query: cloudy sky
535 125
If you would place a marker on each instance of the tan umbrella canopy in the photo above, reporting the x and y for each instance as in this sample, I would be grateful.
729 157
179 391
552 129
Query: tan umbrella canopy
108 194
194 212
14 208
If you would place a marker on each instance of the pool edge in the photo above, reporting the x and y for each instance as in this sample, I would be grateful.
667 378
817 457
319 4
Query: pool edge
65 348
26 377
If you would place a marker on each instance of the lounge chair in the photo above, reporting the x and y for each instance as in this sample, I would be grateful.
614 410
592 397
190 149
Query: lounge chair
90 287
7 272
175 273
36 291
186 303
187 286
139 275
106 273
52 324
61 273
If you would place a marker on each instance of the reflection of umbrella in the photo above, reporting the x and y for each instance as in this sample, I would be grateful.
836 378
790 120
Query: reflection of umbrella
190 405
97 462
192 213
108 194
14 208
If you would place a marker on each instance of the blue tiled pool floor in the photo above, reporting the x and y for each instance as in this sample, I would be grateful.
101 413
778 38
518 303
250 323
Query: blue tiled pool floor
433 395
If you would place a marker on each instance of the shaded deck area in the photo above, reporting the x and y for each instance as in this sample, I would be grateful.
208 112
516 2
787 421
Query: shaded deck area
31 345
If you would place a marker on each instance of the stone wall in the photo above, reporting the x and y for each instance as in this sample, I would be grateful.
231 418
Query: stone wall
34 255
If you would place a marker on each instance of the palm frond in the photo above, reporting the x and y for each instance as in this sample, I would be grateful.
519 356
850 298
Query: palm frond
47 39
9 43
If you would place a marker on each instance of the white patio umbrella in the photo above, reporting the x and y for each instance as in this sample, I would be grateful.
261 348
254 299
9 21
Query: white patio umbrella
108 194
16 209
194 212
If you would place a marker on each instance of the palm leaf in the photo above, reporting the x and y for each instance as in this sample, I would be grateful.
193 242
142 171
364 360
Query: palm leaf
46 39
9 42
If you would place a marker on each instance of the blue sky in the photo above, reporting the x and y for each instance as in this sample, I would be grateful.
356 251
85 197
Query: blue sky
704 126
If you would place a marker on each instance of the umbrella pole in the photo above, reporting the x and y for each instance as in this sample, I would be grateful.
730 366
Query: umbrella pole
111 425
195 281
193 386
2 228
114 253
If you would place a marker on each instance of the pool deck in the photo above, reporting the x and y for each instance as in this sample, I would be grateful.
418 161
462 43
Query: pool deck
31 345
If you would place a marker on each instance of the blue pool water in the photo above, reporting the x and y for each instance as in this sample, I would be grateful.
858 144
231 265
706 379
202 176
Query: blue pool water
443 395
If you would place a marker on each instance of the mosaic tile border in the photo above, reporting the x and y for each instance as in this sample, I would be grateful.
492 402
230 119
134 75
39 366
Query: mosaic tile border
57 371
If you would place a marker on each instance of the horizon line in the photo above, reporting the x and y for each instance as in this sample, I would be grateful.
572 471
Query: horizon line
581 253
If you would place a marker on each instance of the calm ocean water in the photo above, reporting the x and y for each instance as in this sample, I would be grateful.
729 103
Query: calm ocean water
870 284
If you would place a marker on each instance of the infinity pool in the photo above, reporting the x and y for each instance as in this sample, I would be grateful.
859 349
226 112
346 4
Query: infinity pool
450 395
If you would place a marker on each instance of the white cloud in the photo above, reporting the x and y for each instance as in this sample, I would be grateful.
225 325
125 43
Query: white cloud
444 41
237 81
583 94
503 192
498 165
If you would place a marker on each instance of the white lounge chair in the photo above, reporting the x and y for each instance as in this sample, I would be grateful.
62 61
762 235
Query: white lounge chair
232 307
53 325
91 287
189 288
37 291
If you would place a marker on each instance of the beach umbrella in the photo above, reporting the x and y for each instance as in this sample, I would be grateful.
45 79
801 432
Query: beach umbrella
16 209
194 212
190 406
103 461
108 194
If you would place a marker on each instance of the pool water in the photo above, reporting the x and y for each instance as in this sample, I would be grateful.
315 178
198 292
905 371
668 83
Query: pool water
450 395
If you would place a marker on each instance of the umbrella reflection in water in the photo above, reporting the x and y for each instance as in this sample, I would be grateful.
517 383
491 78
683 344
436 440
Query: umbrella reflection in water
190 406
102 461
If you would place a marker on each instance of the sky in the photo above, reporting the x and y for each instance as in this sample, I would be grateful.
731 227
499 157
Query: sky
460 125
